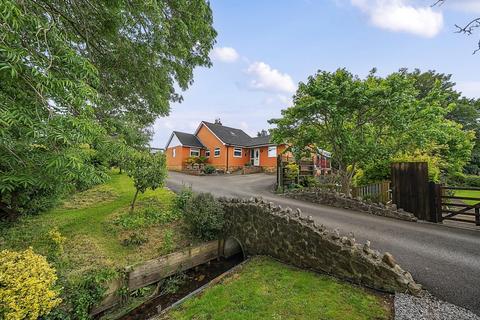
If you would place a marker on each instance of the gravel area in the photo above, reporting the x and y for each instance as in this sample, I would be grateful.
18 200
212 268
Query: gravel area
427 307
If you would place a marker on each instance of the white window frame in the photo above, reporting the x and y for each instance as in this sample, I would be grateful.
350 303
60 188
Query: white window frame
196 151
174 152
215 152
237 149
272 151
207 153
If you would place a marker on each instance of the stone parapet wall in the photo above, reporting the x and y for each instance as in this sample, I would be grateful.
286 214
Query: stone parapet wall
264 229
340 200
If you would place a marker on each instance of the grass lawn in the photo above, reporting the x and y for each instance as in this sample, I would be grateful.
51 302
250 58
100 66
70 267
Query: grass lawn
100 231
266 289
468 193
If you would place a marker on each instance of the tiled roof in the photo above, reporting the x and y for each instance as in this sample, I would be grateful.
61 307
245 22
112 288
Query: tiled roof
236 137
188 139
259 141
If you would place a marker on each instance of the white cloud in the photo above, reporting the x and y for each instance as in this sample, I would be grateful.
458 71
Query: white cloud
401 16
268 79
470 89
225 54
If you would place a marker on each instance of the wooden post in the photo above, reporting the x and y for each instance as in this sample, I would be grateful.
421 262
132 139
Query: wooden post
477 216
435 212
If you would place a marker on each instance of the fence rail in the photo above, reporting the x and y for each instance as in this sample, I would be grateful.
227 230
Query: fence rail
452 207
379 191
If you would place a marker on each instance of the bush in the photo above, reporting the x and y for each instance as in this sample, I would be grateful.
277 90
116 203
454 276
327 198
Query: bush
27 285
135 239
466 180
147 216
209 169
87 291
204 215
309 182
196 160
292 171
183 197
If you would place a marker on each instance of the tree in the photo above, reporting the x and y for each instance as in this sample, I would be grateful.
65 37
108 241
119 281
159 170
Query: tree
341 113
468 28
76 75
461 110
369 121
47 127
262 133
143 50
147 170
467 113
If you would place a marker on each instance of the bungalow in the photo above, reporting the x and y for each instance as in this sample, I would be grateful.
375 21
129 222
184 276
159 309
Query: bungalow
225 148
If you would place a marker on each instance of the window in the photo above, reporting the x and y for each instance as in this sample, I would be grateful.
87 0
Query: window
174 153
216 152
207 153
237 152
194 152
272 152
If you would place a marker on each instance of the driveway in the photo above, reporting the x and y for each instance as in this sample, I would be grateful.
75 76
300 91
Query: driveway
445 260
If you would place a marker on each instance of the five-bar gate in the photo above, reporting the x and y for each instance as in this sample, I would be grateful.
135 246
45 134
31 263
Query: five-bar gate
451 206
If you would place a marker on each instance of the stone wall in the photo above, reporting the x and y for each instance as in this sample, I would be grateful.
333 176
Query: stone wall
251 169
339 200
264 229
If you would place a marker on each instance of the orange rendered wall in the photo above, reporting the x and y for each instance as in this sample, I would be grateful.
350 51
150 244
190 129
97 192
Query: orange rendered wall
182 153
266 161
236 163
211 142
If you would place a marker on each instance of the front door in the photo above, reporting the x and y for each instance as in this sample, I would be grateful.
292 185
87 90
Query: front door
256 157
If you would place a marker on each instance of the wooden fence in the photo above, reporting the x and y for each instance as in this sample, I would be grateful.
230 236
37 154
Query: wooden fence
411 189
379 191
448 205
306 169
153 271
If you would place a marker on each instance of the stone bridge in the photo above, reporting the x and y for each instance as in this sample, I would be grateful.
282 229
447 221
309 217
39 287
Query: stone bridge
264 229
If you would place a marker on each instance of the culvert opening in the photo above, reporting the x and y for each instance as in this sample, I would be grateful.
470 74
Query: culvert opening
188 281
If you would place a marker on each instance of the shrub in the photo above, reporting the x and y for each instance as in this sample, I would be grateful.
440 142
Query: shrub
467 180
147 216
183 197
56 241
204 214
309 182
292 171
26 285
201 160
434 163
135 239
196 160
209 169
87 291
168 242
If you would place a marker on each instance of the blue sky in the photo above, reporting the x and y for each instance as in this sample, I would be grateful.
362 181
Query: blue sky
264 48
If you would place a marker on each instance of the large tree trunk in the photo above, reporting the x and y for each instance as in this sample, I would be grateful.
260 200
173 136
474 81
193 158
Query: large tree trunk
133 201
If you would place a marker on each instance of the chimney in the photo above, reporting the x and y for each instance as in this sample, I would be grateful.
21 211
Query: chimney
217 121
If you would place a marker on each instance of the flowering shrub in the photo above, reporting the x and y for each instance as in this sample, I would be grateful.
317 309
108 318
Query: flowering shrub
56 242
26 285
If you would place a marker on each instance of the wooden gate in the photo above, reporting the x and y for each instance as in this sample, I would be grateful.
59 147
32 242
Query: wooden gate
449 205
410 188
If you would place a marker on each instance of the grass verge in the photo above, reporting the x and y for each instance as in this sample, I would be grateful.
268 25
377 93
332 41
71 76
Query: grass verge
93 234
267 289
